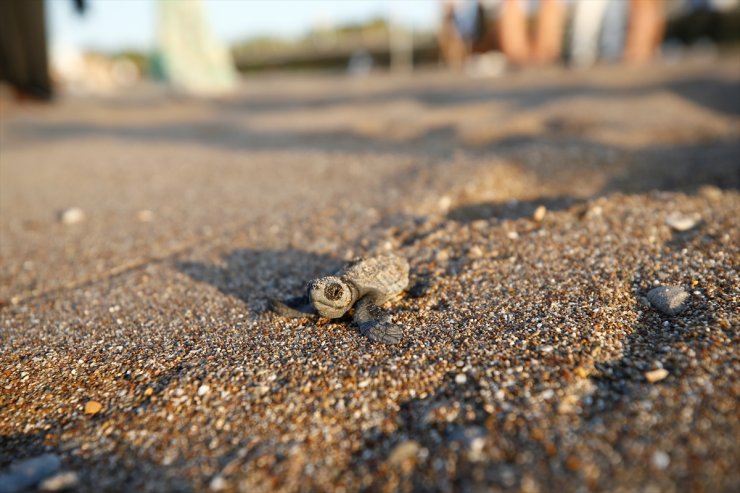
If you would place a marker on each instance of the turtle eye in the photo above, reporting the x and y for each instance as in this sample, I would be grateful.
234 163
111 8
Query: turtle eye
333 291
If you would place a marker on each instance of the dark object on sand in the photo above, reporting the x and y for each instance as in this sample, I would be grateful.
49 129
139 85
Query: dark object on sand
670 300
27 473
24 60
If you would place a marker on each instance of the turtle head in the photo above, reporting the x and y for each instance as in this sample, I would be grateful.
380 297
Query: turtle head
331 296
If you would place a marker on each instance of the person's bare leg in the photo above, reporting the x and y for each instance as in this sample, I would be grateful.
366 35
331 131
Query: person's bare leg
513 29
548 41
645 31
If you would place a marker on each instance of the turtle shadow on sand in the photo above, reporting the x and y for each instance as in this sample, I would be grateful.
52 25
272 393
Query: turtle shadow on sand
511 210
255 276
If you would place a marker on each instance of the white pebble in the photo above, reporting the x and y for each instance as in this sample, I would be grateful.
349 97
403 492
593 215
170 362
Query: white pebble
660 459
680 222
475 450
547 394
203 390
73 215
461 378
218 483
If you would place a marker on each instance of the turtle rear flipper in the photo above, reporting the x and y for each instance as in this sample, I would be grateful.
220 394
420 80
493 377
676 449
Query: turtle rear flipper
296 307
375 324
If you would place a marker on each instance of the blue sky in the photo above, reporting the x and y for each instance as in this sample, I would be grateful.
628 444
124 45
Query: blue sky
120 24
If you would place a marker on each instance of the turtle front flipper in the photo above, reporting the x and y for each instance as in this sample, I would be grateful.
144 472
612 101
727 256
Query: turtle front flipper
375 324
296 307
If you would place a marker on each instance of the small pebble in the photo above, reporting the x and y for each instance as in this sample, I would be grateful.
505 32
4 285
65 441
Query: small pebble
403 452
93 407
203 390
594 211
573 463
539 213
660 459
62 481
656 375
670 300
475 252
218 483
680 222
460 378
73 215
145 216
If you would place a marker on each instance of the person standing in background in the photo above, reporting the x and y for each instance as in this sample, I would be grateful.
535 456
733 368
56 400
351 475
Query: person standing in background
546 43
24 55
645 30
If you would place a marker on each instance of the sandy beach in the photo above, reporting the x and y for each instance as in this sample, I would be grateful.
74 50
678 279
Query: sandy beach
537 211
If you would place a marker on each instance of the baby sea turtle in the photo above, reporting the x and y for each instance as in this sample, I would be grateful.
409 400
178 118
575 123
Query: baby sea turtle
364 284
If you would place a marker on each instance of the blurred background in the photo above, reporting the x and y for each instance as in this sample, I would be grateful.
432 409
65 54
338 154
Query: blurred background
206 47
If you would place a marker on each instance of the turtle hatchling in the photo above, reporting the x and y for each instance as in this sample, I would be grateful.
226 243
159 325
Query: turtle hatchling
364 284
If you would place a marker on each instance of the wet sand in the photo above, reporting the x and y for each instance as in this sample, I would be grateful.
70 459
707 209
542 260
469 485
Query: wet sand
532 209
